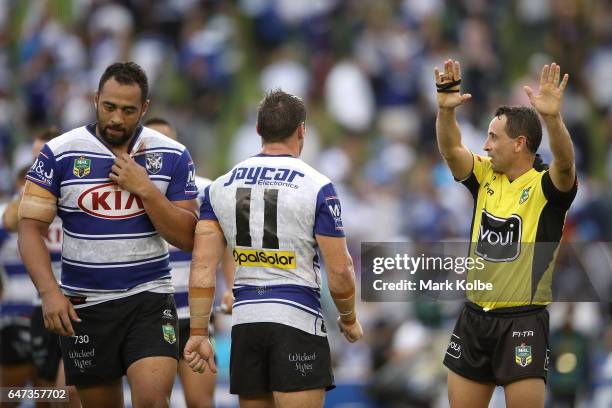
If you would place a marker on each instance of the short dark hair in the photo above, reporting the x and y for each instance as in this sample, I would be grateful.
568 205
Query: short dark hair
279 115
127 73
48 134
522 120
157 121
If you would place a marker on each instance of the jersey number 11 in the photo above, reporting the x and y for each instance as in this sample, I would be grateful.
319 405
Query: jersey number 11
243 217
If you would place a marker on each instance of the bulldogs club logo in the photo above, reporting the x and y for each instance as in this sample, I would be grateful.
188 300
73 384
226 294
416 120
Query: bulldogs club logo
153 162
499 238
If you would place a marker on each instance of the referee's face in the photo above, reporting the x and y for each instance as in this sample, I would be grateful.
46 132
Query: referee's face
499 146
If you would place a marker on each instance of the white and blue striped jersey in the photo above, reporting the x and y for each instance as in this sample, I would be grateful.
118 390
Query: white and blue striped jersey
180 263
18 290
270 208
110 246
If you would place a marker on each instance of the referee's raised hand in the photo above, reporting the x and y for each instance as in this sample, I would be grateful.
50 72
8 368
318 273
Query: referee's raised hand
447 85
547 101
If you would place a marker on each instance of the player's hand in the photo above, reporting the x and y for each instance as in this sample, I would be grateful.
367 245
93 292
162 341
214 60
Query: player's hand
452 72
548 100
352 332
227 301
199 353
58 312
130 175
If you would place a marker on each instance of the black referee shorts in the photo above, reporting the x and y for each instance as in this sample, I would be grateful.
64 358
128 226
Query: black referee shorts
500 346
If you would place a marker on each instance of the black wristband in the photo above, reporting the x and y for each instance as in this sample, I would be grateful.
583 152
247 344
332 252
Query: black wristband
446 87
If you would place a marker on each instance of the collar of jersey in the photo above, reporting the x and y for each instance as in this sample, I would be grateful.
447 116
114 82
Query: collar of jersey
520 179
273 155
91 129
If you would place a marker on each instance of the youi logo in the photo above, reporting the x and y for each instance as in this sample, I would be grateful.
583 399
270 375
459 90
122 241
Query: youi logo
499 238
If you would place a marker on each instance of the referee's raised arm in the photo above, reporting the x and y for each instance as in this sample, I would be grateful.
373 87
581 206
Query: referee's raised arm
456 155
547 101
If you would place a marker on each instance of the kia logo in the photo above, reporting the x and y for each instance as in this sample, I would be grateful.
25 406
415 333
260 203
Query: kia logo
110 201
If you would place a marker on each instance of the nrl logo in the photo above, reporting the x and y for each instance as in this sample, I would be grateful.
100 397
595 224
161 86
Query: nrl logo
82 167
522 355
169 334
524 195
153 162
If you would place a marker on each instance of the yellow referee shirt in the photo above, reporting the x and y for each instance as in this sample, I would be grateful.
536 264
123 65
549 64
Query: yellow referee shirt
516 229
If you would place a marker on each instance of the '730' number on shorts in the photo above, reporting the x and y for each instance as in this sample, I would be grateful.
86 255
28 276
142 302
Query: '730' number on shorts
81 339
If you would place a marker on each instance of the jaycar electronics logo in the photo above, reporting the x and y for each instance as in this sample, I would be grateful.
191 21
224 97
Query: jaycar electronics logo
110 201
499 239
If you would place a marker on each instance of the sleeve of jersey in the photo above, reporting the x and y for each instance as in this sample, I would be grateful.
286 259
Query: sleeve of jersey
45 171
480 168
206 210
328 215
182 184
561 199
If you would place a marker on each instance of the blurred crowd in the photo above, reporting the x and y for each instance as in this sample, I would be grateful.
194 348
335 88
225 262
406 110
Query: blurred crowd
365 70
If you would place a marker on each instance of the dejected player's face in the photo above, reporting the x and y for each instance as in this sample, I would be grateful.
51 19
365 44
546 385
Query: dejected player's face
500 147
118 111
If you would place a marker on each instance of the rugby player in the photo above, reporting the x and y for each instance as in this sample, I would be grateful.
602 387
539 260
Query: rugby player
274 212
198 388
122 191
520 204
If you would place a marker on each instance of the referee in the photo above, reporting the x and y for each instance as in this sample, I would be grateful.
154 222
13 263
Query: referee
501 336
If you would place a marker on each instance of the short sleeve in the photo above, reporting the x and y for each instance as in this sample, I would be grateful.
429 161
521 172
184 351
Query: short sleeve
206 210
561 199
328 215
45 171
182 183
482 166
